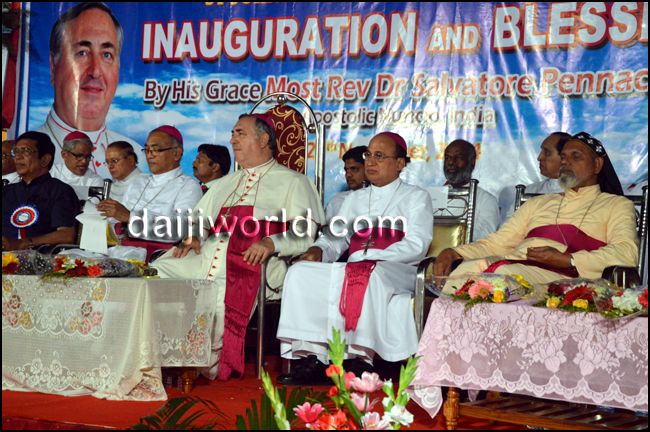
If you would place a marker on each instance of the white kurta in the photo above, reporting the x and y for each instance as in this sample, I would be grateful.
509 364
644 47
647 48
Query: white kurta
271 189
161 195
334 206
119 187
312 291
508 196
57 129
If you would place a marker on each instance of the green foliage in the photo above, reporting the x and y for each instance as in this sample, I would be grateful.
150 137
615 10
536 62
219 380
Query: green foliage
265 418
171 416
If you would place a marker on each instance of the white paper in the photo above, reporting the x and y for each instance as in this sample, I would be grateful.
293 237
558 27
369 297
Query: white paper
438 196
93 233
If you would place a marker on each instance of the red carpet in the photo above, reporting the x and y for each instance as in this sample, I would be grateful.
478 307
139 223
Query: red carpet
36 411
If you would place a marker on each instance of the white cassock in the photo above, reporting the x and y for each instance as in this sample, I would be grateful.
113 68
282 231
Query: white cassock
161 195
57 129
255 194
508 196
80 184
334 206
312 291
119 187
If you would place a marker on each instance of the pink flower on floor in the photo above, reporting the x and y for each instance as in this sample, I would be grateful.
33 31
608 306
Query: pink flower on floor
308 413
481 288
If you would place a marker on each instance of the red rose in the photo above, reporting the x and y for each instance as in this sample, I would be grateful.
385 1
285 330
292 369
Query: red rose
582 292
11 268
465 287
558 289
643 298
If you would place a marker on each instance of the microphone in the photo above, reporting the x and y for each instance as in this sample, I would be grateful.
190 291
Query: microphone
106 190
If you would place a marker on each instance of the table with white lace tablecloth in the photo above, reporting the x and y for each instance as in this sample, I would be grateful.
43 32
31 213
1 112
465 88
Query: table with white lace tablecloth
105 337
547 353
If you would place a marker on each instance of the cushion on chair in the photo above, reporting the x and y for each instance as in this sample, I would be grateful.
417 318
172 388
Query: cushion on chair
446 236
290 135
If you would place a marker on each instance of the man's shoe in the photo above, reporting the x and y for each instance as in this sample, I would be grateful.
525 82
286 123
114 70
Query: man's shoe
310 371
357 366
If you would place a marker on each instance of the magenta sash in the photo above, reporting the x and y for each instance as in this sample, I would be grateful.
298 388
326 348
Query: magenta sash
357 274
569 235
242 281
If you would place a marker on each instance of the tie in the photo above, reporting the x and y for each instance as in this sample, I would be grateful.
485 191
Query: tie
204 188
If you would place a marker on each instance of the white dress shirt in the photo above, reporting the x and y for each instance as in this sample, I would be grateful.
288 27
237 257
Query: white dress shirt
161 195
118 188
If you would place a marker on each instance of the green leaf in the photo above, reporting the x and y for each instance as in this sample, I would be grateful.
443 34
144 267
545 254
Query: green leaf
172 415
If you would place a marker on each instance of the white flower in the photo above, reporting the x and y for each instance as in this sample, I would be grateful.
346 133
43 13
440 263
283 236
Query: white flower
399 414
371 421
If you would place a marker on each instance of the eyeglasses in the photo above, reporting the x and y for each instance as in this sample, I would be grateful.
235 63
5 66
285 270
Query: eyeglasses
80 156
114 161
22 151
155 150
379 157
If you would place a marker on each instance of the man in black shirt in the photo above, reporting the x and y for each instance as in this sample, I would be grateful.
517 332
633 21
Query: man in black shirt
39 209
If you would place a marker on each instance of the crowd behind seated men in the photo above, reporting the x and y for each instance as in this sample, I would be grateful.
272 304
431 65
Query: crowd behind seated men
355 178
211 163
9 174
459 163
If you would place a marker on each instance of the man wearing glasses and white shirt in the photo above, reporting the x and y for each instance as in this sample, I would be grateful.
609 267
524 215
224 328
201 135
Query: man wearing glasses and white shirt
122 163
167 195
77 156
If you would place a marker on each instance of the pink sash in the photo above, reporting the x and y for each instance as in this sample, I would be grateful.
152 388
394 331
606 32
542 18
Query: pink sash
242 282
571 236
357 274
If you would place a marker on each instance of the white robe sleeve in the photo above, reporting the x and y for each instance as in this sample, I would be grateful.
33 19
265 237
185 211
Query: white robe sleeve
419 232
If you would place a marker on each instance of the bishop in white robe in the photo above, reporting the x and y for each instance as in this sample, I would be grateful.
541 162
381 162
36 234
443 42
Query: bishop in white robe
369 297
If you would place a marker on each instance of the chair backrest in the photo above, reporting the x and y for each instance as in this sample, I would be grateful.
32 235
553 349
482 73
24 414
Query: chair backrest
292 136
454 225
641 207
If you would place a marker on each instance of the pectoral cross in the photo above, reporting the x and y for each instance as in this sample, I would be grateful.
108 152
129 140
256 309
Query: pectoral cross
367 244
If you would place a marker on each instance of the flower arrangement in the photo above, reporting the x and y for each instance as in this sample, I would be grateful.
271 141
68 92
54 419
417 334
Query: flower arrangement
26 262
30 262
351 398
490 288
67 266
587 295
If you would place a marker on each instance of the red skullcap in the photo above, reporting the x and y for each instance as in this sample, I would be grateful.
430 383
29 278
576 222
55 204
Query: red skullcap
397 139
266 119
76 135
171 131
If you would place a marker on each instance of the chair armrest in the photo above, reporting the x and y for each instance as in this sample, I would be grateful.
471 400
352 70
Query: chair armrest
420 282
624 277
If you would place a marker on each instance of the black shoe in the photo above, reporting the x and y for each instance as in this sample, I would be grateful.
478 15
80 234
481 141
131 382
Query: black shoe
357 366
309 371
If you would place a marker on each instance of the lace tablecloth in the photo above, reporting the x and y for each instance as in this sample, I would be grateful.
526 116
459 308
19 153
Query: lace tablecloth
547 353
104 337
